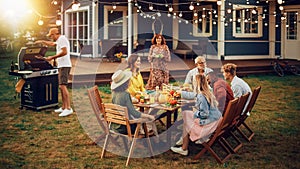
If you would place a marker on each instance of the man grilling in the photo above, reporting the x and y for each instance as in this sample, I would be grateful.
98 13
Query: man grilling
63 64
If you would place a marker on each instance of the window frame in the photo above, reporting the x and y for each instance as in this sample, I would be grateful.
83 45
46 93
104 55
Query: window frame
295 25
86 32
242 22
196 33
123 9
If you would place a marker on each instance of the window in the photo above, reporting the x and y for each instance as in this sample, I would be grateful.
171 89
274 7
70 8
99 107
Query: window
247 21
202 25
291 25
115 22
77 28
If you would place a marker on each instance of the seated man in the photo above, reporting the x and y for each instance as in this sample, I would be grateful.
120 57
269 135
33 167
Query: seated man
200 67
238 85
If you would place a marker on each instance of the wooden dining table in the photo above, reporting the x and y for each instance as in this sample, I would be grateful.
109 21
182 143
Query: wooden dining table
167 112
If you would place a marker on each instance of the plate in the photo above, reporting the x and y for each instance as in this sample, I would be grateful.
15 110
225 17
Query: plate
25 72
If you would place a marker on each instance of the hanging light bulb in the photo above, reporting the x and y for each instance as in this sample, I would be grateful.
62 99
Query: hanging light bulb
281 8
195 13
58 21
253 11
150 7
54 2
180 14
40 22
229 10
75 5
114 6
279 1
191 7
219 2
171 9
158 14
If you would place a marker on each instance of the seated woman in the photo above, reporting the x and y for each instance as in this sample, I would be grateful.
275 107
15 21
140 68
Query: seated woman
200 124
120 96
136 85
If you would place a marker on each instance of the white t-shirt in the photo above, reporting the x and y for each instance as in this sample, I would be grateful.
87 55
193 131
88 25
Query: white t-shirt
63 61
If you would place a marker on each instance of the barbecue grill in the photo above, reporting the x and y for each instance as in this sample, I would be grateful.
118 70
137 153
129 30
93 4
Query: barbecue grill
40 89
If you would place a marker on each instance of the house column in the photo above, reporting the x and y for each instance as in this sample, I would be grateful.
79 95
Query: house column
221 30
272 29
95 42
130 28
175 28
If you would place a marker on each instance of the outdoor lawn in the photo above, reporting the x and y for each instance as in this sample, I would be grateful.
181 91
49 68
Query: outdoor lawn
31 139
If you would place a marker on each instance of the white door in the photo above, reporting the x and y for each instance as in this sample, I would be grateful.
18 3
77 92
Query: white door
291 33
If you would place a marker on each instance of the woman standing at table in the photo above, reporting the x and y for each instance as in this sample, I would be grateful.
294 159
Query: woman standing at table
136 85
198 125
158 57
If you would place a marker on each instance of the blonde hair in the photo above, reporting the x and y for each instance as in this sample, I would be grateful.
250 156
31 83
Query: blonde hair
203 88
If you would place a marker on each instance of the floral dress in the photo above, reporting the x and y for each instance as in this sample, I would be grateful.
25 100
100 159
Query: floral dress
158 57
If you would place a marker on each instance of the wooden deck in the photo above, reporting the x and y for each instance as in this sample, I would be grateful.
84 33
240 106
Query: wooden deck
88 71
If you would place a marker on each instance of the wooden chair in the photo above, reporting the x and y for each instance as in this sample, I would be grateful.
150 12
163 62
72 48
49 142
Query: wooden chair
96 103
229 133
221 129
241 122
119 115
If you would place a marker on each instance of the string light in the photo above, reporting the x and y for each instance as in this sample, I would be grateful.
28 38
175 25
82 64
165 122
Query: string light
114 6
191 7
40 22
171 9
75 5
179 13
150 7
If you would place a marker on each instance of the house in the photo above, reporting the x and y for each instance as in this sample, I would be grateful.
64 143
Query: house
217 29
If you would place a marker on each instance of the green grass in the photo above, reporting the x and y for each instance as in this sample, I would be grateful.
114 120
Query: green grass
32 139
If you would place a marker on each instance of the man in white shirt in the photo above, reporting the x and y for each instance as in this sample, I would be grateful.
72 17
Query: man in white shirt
200 63
64 66
238 85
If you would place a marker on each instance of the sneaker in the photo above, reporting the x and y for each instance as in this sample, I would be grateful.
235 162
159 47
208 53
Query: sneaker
59 110
179 142
66 112
179 150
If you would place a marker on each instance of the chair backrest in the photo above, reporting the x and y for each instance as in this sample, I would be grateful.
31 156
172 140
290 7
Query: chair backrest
241 105
227 119
253 99
229 114
117 114
97 105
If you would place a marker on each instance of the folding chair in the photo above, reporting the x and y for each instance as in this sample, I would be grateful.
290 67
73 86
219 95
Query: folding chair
96 102
241 122
229 133
221 129
119 115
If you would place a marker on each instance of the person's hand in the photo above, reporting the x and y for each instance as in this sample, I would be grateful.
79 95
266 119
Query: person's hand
38 41
39 57
151 117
